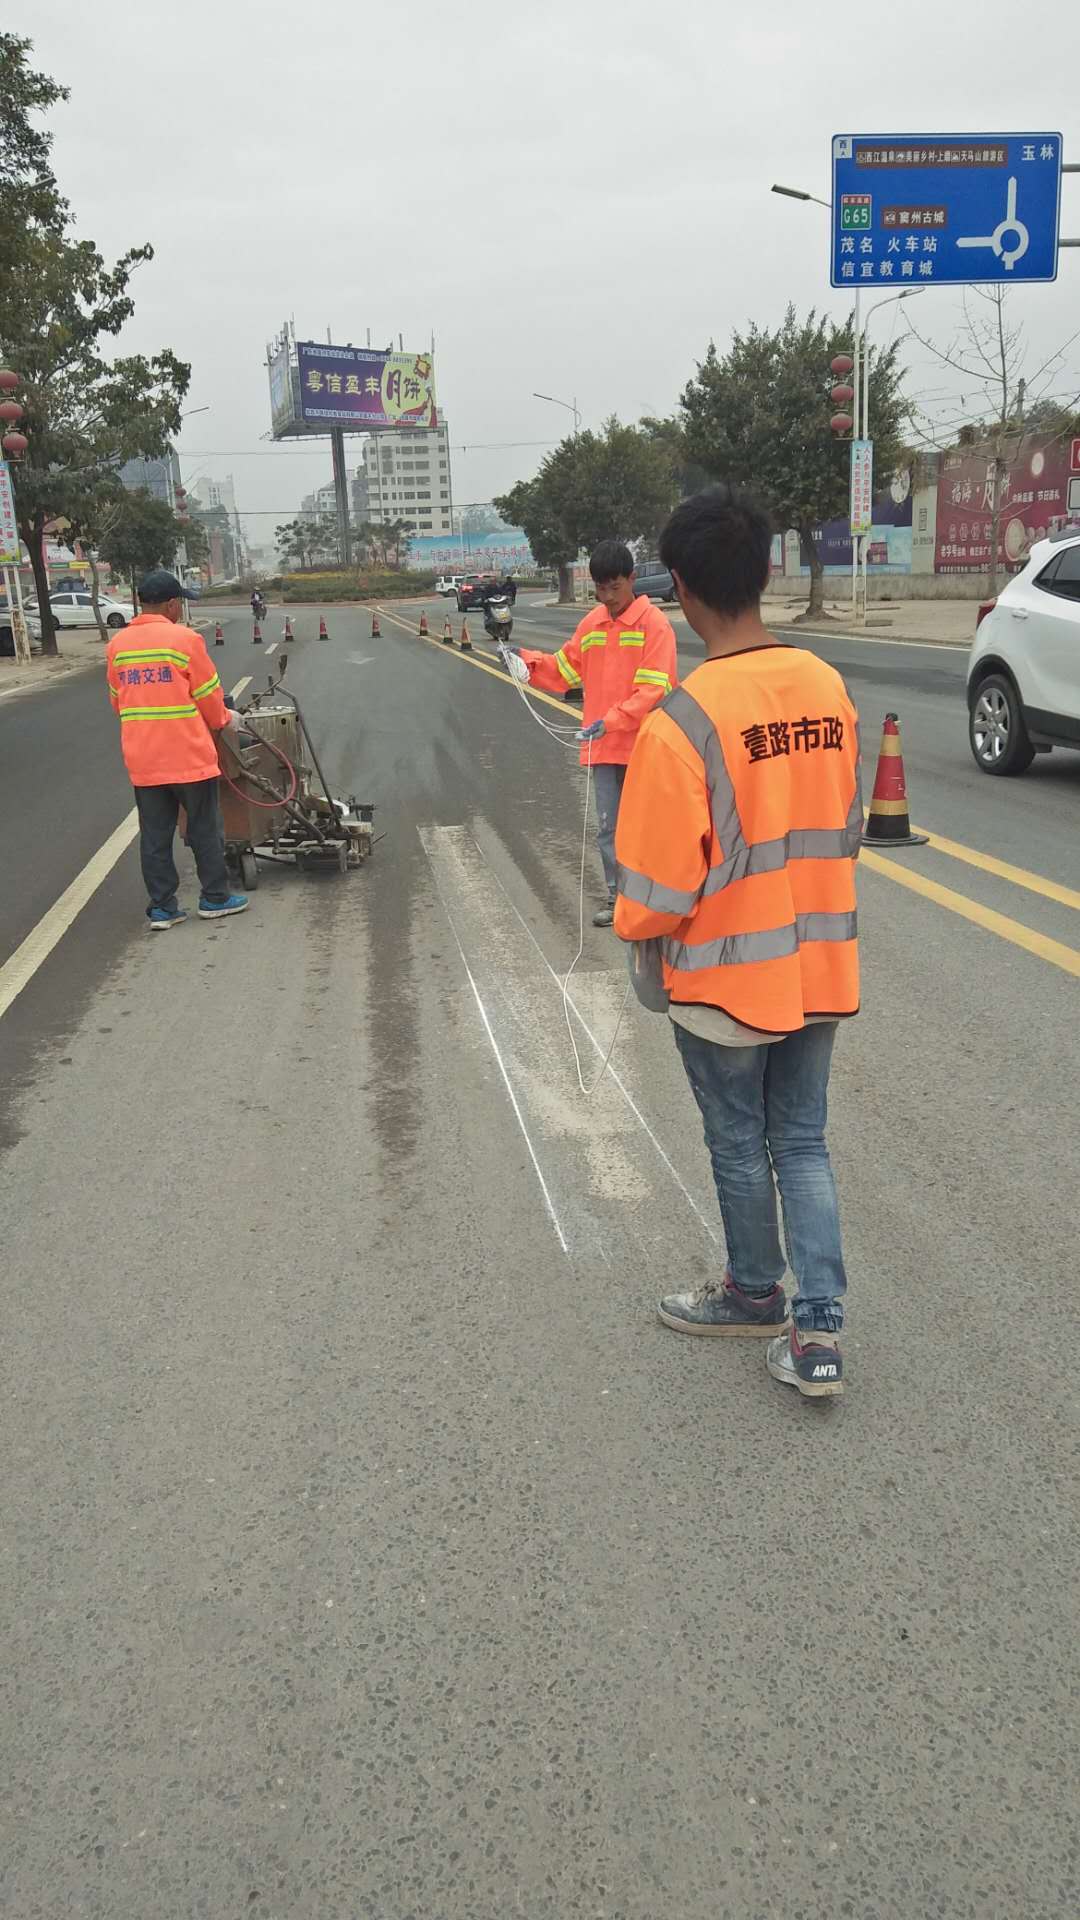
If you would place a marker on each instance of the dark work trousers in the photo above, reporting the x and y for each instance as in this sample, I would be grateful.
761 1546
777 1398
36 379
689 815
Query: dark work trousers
158 809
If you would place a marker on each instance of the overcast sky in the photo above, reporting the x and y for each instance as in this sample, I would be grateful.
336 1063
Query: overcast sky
572 199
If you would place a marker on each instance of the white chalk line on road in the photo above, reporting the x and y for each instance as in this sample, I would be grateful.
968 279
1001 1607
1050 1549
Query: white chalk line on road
600 1050
17 972
235 692
273 647
519 1116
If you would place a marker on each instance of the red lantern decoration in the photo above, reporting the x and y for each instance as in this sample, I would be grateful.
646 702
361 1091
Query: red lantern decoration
843 363
842 396
10 411
8 380
15 444
841 423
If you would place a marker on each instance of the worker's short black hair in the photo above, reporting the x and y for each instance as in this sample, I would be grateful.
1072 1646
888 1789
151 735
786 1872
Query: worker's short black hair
611 560
720 543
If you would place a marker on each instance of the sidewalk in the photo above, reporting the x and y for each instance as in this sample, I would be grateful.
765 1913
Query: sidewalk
78 651
941 623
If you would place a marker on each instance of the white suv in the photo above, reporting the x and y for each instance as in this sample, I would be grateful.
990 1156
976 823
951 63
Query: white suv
1023 686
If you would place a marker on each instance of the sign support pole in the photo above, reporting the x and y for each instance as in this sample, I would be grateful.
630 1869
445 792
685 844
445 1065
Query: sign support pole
341 492
857 357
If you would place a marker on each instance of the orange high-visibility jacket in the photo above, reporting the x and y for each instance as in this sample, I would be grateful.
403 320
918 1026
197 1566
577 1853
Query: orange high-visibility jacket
624 666
169 699
738 832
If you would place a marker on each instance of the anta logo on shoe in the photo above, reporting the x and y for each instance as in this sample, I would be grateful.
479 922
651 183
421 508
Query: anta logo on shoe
824 1373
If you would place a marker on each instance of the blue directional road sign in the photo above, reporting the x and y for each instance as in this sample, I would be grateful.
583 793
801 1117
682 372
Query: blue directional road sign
945 209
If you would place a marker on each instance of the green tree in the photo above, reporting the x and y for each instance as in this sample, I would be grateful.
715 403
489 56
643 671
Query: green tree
138 532
84 415
529 506
618 482
29 201
759 417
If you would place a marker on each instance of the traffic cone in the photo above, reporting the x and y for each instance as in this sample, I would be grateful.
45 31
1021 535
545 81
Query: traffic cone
289 634
219 637
423 627
375 633
466 643
447 633
323 635
256 637
889 823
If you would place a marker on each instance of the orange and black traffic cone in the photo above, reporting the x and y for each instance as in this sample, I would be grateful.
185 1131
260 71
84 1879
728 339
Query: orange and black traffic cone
423 626
256 637
447 633
323 635
889 823
219 637
375 633
289 634
466 643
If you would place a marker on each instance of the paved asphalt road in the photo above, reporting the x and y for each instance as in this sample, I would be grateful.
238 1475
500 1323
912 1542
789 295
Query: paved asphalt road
370 1551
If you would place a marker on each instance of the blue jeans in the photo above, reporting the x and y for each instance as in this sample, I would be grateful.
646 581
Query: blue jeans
158 811
608 786
764 1110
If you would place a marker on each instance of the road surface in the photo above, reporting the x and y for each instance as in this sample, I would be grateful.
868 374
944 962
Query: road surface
371 1552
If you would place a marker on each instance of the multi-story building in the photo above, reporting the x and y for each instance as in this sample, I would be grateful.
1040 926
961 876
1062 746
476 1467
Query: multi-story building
406 476
221 495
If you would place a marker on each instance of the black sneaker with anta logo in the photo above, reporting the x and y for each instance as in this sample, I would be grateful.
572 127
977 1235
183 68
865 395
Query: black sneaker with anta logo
808 1360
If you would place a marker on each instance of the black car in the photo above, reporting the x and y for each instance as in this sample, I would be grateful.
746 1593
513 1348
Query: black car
473 589
654 581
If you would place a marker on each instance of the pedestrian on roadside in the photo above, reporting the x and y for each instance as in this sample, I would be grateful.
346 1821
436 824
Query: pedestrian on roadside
738 834
622 657
171 707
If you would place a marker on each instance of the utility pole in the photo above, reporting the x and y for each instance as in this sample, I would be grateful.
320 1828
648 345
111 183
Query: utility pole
341 493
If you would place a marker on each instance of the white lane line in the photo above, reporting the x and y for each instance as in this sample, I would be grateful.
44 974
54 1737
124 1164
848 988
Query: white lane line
538 1170
273 647
19 970
235 692
601 1050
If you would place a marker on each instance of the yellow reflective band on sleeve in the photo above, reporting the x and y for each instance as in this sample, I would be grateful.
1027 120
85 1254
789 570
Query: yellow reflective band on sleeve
650 677
198 693
145 656
190 712
598 638
572 679
633 637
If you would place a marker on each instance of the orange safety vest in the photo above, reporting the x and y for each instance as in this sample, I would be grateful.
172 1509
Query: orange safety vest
623 665
738 831
169 700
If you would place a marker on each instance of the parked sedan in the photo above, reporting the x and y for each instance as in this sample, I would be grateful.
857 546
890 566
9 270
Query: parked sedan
77 610
654 581
1023 686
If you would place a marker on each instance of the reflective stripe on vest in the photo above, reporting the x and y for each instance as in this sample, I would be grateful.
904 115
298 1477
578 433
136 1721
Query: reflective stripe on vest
632 637
652 677
200 693
140 656
189 712
597 638
572 679
775 943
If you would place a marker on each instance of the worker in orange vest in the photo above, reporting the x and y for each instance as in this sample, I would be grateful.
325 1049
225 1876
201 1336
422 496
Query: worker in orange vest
622 655
170 704
737 840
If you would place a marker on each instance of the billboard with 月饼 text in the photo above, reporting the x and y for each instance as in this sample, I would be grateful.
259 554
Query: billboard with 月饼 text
365 388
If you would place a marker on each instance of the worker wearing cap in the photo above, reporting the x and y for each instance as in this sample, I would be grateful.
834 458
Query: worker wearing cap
622 656
738 835
171 707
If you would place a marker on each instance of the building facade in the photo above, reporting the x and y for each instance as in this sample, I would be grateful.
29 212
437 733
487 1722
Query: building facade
405 475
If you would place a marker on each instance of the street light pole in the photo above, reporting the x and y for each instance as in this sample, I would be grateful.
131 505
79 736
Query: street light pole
797 193
570 405
863 429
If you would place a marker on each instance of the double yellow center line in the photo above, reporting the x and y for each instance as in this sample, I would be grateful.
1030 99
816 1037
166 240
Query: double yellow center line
1055 952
